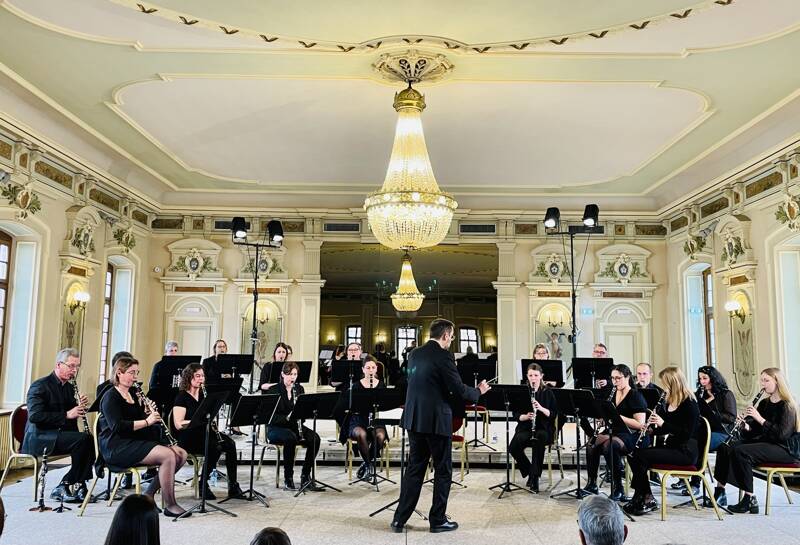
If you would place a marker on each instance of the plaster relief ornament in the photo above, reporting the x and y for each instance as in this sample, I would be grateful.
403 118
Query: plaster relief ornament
623 269
193 264
552 268
732 249
788 213
83 239
693 245
125 238
23 198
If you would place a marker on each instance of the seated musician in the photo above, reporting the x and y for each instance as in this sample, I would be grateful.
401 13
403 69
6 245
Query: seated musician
632 409
764 439
543 413
718 405
678 418
355 426
193 440
170 349
644 378
353 352
286 430
127 438
210 368
53 414
279 355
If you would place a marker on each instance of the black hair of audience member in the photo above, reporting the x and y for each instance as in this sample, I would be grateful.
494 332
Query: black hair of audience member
135 522
2 516
271 536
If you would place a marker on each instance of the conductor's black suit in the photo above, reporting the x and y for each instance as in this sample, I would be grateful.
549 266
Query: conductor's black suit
434 390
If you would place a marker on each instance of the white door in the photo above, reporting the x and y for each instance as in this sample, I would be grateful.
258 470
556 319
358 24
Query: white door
624 345
194 338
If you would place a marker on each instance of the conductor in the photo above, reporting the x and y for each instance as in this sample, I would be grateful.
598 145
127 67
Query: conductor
433 385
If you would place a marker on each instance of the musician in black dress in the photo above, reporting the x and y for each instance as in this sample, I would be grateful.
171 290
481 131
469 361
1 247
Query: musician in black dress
53 415
632 409
356 426
128 439
543 413
678 418
764 439
279 356
353 352
193 440
288 431
210 368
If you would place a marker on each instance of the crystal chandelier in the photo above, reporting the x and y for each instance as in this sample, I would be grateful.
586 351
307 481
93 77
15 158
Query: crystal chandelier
407 298
409 211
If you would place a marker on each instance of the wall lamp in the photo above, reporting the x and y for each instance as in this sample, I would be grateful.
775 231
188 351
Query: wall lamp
79 300
735 310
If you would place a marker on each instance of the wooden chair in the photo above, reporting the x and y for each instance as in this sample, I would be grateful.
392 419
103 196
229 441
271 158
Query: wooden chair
17 423
195 459
780 470
458 425
685 472
120 471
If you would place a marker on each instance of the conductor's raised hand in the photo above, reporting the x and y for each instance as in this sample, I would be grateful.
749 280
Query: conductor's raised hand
484 387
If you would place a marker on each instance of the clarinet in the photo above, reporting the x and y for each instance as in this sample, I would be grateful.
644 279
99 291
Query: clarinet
533 406
77 394
643 432
213 424
40 506
736 430
294 402
150 408
611 400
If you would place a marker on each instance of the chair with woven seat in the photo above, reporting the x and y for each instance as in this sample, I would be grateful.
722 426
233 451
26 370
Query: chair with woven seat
479 410
17 422
119 471
773 469
685 472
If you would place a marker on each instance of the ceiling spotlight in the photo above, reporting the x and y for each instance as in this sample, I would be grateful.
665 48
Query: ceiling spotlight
239 228
552 217
275 230
590 215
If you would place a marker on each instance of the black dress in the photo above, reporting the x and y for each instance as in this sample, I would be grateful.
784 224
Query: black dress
630 405
265 373
525 436
353 419
120 445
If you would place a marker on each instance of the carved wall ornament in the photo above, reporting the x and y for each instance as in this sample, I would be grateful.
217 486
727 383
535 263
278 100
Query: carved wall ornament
693 245
732 249
193 264
788 213
83 239
23 198
623 269
125 238
553 268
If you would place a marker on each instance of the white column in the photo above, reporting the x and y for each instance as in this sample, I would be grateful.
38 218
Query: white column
506 328
310 306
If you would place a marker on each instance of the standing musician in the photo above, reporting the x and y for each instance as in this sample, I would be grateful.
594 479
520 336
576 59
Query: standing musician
765 435
127 440
679 420
193 440
170 349
433 384
632 409
286 430
542 414
53 414
210 369
279 355
356 426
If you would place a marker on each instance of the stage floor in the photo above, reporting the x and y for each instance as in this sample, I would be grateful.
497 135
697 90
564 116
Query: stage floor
342 518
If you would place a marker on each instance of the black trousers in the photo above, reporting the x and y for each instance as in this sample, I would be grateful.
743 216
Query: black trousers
215 451
523 439
735 463
644 458
289 440
422 447
80 446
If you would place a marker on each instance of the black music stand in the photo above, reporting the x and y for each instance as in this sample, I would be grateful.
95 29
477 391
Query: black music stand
314 406
205 413
370 401
234 364
587 371
508 398
254 410
476 371
303 371
573 403
552 371
232 386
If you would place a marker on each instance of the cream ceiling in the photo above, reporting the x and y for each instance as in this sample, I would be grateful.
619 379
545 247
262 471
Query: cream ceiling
282 106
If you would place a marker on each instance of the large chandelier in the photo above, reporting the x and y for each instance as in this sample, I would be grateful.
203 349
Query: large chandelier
407 298
409 211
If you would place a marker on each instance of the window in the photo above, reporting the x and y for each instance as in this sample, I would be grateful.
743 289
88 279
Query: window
405 336
708 312
353 334
5 267
467 336
105 332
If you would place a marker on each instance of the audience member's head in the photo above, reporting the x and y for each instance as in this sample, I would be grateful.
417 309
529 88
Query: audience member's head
600 522
271 536
2 516
135 522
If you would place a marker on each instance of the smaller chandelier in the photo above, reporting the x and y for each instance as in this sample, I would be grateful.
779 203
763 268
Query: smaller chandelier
407 298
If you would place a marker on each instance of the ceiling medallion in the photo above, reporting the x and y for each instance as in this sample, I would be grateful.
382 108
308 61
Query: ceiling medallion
413 66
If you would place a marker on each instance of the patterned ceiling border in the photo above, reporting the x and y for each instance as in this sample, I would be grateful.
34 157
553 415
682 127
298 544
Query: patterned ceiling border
304 43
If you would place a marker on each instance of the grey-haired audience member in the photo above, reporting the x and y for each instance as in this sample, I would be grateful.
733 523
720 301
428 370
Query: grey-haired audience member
600 522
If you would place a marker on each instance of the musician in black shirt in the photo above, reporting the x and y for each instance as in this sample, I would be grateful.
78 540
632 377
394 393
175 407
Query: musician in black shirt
286 430
543 413
193 440
678 419
53 415
279 355
764 439
210 368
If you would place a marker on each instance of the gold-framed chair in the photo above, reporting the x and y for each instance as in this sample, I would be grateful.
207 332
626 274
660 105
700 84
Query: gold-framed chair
552 445
16 423
773 469
195 459
349 455
685 472
278 448
120 471
483 412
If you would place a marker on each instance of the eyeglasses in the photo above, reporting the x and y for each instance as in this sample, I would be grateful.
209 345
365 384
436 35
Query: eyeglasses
72 367
617 377
132 372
